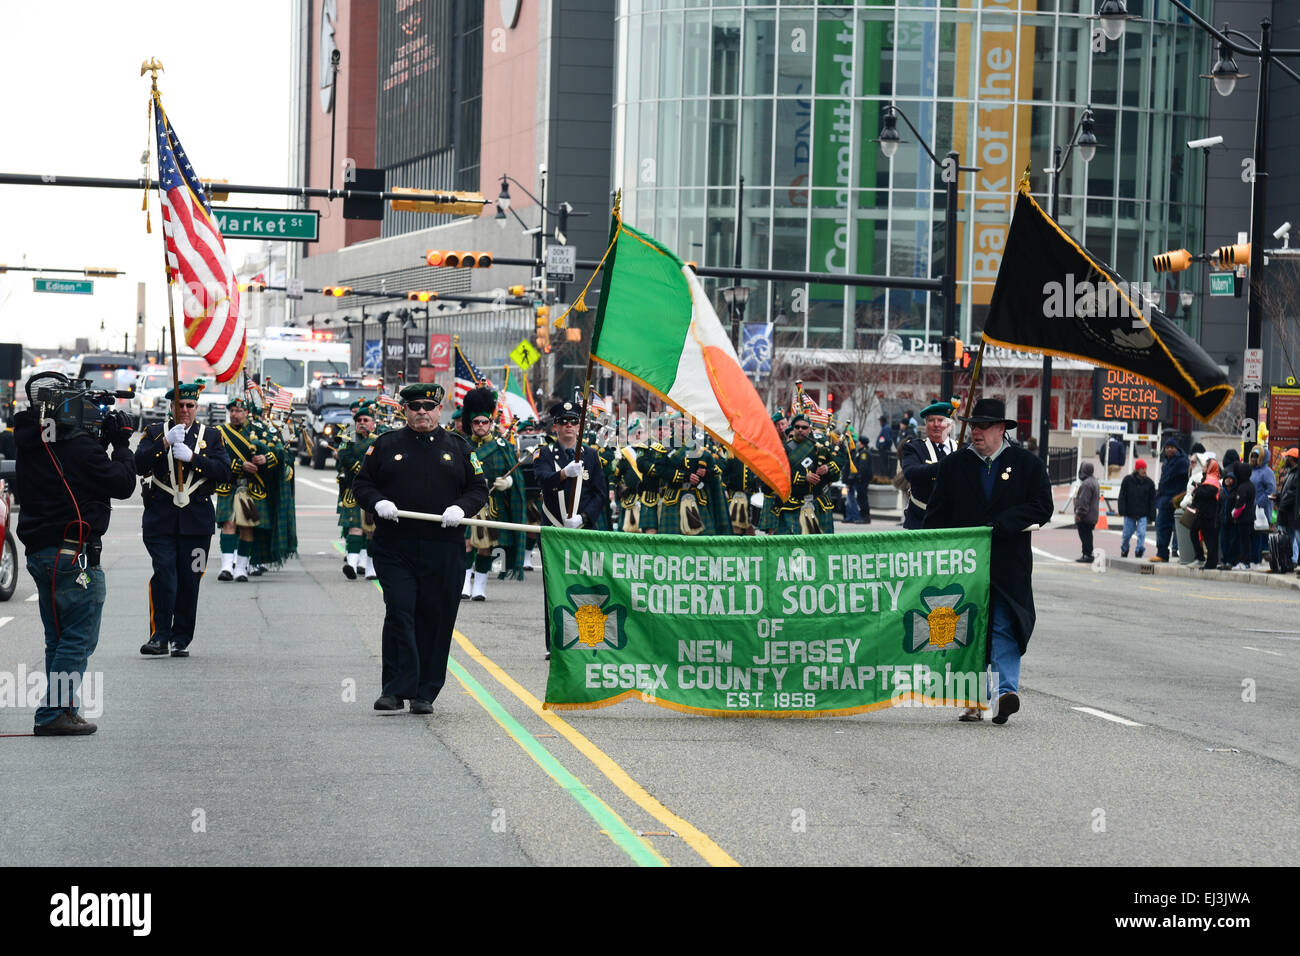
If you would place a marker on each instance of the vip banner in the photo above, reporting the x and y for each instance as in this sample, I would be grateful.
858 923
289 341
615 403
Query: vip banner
767 626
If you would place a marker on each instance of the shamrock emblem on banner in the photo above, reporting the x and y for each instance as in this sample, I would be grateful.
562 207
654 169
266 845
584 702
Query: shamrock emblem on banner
945 623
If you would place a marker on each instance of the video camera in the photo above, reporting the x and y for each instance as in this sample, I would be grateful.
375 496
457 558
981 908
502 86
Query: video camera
76 408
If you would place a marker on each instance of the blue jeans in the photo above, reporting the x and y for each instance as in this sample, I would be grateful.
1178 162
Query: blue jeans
72 633
1132 524
1258 546
1005 651
1295 546
1165 527
851 510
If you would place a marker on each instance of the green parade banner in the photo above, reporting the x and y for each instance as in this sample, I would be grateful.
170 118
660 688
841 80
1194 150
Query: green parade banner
806 626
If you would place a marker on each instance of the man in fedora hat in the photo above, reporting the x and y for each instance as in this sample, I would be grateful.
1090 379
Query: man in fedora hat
994 483
920 457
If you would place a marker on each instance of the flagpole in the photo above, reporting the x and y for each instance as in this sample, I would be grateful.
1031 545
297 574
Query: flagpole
582 422
153 67
970 396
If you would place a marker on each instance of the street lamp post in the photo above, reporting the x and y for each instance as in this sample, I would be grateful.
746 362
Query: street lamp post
1225 76
949 167
1086 140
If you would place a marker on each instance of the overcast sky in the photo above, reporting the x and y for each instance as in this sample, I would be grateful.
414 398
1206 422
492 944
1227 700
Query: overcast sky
75 104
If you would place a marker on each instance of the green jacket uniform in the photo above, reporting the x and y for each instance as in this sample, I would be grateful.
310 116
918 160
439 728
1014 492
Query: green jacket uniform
805 456
348 458
681 503
498 456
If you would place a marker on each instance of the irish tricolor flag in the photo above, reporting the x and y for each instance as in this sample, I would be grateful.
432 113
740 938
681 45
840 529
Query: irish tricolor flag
656 326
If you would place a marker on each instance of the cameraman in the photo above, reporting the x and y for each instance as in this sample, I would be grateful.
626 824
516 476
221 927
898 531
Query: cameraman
66 479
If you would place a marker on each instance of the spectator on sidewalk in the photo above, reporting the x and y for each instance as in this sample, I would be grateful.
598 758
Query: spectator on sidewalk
1242 507
1227 527
1288 499
1265 482
1173 481
1087 509
1137 506
1115 453
1204 501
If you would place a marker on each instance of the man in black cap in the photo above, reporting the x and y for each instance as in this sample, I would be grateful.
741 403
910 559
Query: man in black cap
425 468
993 483
558 467
920 457
181 466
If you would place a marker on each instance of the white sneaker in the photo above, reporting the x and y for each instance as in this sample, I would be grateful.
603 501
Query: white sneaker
469 580
1240 567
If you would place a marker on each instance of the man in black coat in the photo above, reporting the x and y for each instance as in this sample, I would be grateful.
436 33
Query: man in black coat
558 466
1137 506
993 483
422 467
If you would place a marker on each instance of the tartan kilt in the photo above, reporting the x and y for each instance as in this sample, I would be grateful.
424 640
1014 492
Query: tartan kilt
670 518
788 521
649 517
225 505
349 511
767 520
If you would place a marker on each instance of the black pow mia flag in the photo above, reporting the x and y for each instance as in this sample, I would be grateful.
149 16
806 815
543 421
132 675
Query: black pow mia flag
1054 296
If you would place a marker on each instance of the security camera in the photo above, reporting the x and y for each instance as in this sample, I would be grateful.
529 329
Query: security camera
1282 231
1205 143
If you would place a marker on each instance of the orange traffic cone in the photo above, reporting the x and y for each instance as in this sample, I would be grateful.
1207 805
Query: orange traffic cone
1101 520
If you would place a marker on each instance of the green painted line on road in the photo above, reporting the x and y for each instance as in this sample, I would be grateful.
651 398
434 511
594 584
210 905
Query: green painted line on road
611 823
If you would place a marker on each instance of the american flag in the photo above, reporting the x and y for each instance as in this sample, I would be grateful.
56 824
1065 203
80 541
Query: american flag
467 377
389 401
598 405
282 400
815 413
196 253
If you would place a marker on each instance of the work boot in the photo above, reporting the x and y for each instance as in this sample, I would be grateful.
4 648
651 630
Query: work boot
67 724
467 588
479 592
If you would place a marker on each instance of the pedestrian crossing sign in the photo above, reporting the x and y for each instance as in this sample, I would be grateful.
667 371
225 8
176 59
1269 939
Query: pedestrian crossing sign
525 355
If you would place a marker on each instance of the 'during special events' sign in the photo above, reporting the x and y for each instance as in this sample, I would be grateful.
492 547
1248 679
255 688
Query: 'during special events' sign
1125 397
767 626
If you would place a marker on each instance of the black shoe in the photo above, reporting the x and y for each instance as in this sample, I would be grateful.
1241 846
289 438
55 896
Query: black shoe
225 576
241 578
1140 553
1124 554
65 725
1083 560
257 571
372 577
388 702
180 652
421 707
1008 704
548 655
349 571
153 648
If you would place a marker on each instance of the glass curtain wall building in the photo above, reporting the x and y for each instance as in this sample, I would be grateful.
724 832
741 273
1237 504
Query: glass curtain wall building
789 96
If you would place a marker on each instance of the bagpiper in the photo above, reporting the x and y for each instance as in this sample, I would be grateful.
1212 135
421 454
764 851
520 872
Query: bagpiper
243 503
357 524
690 496
767 518
740 483
809 509
279 542
505 496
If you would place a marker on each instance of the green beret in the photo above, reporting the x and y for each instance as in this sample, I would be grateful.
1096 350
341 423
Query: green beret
188 392
363 407
455 416
422 390
801 417
777 416
237 403
937 408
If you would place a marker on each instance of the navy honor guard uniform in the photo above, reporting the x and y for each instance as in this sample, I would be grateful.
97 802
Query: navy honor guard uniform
422 467
180 465
557 468
919 459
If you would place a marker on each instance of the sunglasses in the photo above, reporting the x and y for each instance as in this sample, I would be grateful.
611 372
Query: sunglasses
422 406
481 421
188 405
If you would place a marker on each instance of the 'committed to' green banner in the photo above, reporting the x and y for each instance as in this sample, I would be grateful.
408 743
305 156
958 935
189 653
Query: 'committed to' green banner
767 626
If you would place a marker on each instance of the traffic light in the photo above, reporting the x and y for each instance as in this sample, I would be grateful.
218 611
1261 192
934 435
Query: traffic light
252 286
562 226
966 356
544 328
421 296
948 350
1175 260
110 273
572 334
338 291
1234 255
518 290
455 259
438 201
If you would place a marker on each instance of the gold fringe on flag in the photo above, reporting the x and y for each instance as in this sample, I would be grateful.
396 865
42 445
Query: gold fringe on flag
580 303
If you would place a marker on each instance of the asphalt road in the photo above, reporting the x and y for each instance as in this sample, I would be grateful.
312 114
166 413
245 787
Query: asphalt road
262 747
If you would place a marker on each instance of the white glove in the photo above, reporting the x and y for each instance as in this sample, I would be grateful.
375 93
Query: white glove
386 509
182 452
503 484
573 469
452 515
175 435
574 522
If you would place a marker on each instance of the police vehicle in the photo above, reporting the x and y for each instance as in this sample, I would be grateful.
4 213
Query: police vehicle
329 412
